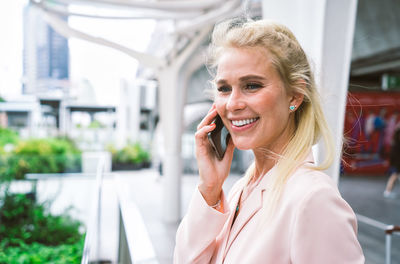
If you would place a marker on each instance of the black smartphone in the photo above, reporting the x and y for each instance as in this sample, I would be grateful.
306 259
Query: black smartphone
219 138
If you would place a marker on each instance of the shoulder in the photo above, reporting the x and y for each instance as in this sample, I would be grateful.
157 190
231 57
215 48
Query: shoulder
307 181
314 193
313 189
322 221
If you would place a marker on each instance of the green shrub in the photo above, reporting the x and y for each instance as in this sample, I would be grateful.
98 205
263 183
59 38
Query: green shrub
38 253
96 124
24 219
30 234
131 153
52 155
7 137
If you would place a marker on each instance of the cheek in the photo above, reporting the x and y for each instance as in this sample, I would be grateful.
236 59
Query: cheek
220 105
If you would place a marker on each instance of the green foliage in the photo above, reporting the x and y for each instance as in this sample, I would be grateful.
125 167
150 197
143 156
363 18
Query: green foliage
38 253
96 124
7 137
30 234
24 219
131 153
52 155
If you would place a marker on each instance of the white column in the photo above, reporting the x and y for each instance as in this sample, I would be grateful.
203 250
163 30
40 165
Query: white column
122 108
172 100
133 111
128 114
171 116
325 29
65 119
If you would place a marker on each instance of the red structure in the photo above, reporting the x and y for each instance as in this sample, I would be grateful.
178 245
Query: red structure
370 122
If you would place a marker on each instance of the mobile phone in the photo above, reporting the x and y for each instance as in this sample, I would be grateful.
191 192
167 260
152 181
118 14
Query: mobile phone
219 138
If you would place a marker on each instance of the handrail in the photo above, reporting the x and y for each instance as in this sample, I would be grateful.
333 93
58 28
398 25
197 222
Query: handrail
392 229
135 244
91 235
389 230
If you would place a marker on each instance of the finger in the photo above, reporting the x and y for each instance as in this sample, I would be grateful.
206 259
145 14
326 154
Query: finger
230 148
207 119
201 134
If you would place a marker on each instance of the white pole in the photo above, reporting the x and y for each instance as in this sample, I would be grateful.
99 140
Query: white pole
325 29
388 244
133 111
171 116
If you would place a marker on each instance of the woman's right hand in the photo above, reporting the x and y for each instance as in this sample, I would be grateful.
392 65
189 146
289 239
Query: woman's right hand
213 172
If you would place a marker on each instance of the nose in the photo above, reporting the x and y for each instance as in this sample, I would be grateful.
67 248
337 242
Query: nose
235 101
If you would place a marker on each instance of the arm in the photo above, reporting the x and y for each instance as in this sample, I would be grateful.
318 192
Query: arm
325 231
196 238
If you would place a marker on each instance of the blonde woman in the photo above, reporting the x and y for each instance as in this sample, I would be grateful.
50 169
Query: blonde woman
285 209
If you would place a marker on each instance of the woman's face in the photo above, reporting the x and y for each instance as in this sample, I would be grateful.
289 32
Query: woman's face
252 101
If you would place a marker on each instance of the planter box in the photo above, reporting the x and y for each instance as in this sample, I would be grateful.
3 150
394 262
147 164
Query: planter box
130 166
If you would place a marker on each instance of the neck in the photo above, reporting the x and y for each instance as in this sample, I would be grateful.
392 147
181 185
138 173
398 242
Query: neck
263 163
267 156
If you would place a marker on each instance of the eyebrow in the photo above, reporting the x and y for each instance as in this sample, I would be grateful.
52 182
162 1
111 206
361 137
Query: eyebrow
243 79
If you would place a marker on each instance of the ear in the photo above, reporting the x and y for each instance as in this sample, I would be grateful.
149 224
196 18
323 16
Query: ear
296 97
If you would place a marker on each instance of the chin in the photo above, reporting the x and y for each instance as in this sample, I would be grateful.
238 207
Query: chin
242 145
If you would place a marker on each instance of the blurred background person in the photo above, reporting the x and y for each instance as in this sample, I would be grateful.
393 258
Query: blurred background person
394 165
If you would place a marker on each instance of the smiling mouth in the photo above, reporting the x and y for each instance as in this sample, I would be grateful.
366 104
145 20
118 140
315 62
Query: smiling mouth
240 123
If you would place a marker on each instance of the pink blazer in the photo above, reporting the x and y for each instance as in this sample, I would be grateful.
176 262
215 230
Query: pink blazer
312 225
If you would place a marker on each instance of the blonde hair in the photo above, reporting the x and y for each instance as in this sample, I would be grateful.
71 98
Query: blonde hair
290 61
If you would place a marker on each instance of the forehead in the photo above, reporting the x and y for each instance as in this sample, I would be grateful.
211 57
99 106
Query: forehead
235 62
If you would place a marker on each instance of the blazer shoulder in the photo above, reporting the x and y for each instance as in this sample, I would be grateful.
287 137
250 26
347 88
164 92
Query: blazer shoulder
307 181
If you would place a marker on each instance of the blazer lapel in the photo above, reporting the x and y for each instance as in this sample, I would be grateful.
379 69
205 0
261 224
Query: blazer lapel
249 208
227 227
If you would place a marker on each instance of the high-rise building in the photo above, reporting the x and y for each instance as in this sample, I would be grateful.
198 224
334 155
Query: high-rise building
46 55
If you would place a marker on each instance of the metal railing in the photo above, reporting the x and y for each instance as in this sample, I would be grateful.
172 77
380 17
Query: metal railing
389 231
92 238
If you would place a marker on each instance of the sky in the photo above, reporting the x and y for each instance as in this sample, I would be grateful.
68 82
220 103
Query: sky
101 67
11 47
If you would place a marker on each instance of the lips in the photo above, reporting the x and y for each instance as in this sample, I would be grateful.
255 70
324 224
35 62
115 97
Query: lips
244 122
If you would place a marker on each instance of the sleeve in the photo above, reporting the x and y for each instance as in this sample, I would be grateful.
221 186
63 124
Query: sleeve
196 237
325 231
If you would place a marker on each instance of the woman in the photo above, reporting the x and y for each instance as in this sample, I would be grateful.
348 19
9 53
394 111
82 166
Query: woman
284 210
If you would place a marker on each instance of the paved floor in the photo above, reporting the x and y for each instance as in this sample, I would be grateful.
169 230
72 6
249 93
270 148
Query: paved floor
364 194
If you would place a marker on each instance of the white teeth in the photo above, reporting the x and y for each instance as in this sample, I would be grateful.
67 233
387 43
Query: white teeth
243 122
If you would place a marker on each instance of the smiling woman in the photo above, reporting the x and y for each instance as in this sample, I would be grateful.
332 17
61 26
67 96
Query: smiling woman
285 209
253 102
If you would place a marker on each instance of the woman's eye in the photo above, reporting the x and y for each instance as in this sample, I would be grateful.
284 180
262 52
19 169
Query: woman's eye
223 89
253 86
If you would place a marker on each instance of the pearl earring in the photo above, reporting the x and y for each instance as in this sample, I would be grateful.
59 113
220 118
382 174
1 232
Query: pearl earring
292 107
